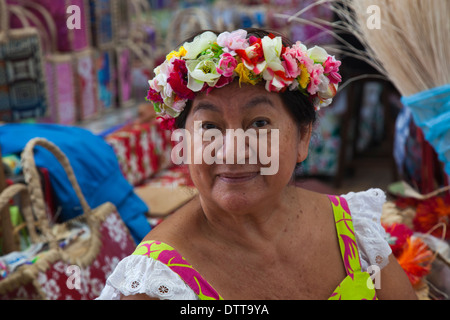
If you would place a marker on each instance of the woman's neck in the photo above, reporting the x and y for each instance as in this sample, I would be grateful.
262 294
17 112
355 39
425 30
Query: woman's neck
253 228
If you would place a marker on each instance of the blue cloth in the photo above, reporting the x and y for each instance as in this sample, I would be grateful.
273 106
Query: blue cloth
431 112
95 165
402 133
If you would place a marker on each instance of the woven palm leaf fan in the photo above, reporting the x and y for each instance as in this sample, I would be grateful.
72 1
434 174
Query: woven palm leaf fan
411 47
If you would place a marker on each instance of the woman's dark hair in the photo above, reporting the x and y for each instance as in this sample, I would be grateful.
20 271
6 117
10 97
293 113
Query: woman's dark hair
300 107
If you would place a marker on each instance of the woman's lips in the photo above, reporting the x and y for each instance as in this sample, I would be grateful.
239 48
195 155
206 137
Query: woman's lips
234 177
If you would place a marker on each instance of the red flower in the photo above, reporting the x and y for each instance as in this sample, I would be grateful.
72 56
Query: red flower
167 123
153 95
430 213
397 235
178 80
404 203
253 54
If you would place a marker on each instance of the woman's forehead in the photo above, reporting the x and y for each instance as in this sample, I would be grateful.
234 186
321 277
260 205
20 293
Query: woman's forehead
245 98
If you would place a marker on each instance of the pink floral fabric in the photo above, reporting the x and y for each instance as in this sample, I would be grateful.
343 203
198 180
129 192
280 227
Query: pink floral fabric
170 257
357 285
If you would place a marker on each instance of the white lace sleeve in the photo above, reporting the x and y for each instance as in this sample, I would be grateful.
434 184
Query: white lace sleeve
365 208
140 274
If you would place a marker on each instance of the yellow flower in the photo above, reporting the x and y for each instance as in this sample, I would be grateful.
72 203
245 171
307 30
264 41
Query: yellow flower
304 77
245 75
176 54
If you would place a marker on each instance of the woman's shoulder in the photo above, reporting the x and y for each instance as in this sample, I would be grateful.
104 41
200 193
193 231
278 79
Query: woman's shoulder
366 209
177 225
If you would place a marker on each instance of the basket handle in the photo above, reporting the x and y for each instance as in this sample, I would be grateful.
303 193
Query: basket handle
17 11
50 36
32 178
4 18
20 189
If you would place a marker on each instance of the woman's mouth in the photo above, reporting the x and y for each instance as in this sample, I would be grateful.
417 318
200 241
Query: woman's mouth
237 177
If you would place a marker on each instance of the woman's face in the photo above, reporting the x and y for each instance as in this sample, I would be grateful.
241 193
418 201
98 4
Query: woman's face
232 185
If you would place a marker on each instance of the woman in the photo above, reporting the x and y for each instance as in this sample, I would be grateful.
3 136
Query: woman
248 235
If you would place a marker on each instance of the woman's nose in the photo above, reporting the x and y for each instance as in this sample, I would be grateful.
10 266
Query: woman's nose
239 147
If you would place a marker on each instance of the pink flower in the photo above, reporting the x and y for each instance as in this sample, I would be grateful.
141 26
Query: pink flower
223 81
299 51
331 67
290 65
315 75
227 64
236 40
295 58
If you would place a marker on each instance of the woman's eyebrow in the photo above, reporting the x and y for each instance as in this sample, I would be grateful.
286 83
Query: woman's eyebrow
205 106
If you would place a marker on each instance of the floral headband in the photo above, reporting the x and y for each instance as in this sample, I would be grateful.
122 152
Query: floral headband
212 61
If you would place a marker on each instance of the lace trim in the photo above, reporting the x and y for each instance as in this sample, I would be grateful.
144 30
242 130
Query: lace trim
366 208
141 275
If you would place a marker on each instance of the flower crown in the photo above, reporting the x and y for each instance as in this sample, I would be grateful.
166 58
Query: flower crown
212 61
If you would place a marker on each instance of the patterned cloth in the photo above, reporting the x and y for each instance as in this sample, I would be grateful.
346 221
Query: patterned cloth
356 286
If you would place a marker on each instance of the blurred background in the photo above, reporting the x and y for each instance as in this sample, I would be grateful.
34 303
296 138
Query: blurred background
95 76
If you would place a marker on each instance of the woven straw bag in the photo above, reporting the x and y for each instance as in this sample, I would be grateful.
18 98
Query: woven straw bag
75 271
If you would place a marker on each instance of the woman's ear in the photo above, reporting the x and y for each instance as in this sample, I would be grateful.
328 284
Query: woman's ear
303 145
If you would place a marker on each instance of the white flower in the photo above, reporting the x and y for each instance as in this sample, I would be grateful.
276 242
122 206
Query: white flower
199 44
272 51
324 82
318 54
159 82
200 72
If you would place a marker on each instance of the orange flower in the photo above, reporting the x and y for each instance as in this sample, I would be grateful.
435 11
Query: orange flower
415 259
431 212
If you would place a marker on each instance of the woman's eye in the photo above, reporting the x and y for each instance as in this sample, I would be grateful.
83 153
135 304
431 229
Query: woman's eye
260 123
208 126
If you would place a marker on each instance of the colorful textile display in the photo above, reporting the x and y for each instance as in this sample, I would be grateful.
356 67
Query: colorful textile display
142 150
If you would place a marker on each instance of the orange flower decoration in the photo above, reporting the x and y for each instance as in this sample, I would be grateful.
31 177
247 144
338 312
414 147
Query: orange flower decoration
431 212
415 259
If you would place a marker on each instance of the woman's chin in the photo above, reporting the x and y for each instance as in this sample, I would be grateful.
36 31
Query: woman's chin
239 199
